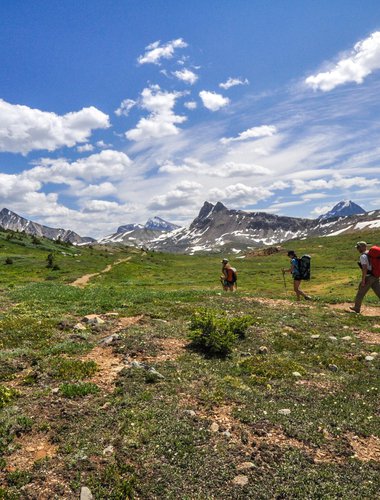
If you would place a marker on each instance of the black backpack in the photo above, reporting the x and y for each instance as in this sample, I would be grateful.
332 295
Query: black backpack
304 267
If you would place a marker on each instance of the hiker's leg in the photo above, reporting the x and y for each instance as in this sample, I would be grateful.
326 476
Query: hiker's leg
297 289
376 286
362 290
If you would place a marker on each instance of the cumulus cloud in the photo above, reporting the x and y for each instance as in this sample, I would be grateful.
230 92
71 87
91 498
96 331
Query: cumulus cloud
212 100
322 210
239 194
98 190
162 120
107 163
182 194
355 67
186 75
23 129
337 182
155 51
125 107
85 148
232 82
190 105
252 133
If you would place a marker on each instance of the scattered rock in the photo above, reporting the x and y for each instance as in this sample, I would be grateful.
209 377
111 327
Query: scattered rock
369 358
85 494
55 390
331 337
284 334
79 327
263 349
245 465
191 413
333 368
240 480
315 336
214 427
284 411
227 434
112 314
93 319
296 374
109 450
347 337
155 373
109 340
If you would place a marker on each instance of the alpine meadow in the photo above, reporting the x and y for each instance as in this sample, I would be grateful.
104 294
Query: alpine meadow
189 250
105 387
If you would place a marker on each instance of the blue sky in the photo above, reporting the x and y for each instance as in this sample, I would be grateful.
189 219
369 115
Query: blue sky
115 111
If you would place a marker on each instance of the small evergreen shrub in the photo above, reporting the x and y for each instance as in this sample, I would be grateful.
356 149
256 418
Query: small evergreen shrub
215 334
80 390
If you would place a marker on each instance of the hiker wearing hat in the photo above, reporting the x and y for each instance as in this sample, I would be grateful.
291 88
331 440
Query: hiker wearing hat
368 279
228 276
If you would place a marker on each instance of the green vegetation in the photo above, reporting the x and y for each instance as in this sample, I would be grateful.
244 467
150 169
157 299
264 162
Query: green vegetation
176 400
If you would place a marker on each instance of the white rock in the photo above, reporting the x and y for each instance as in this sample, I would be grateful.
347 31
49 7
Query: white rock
214 427
369 358
240 480
109 450
85 493
296 374
331 337
347 337
245 465
79 326
315 336
284 411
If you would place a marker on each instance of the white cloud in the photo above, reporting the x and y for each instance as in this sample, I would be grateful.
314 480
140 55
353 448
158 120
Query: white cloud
98 190
155 52
161 121
232 169
212 100
322 210
251 133
186 75
23 129
190 105
232 82
107 163
337 182
358 64
125 107
182 194
85 148
239 194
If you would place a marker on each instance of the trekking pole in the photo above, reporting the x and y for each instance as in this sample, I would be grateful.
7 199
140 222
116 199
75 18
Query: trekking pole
283 275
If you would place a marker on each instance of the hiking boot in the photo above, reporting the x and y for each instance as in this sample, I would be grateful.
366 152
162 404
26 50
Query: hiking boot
307 297
352 309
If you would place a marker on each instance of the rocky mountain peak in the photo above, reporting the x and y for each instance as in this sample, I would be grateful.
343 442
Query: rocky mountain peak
344 208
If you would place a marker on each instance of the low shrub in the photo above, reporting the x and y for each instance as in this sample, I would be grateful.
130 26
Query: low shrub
6 395
215 334
78 390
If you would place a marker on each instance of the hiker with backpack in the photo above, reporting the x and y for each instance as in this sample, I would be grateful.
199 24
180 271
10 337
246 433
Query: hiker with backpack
228 277
369 263
300 270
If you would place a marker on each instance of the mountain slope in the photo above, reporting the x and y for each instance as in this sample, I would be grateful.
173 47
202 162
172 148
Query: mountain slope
14 222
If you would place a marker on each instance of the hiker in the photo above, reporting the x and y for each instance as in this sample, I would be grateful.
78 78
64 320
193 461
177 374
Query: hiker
228 277
368 279
295 271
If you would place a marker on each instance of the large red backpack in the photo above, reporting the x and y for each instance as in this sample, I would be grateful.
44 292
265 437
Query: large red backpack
374 256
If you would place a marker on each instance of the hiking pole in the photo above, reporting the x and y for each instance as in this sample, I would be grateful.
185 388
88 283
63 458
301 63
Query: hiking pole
283 275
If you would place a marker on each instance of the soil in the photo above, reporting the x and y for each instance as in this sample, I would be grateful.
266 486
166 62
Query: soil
83 280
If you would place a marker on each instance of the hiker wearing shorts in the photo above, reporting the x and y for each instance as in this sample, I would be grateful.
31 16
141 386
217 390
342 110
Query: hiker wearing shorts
294 271
368 280
228 276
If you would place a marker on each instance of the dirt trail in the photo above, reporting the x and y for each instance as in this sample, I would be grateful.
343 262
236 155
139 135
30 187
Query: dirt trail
365 311
83 280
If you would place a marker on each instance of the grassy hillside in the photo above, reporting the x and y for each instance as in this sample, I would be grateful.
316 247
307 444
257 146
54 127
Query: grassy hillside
291 412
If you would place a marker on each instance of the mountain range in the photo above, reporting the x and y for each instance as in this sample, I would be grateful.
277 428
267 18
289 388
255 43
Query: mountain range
215 229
